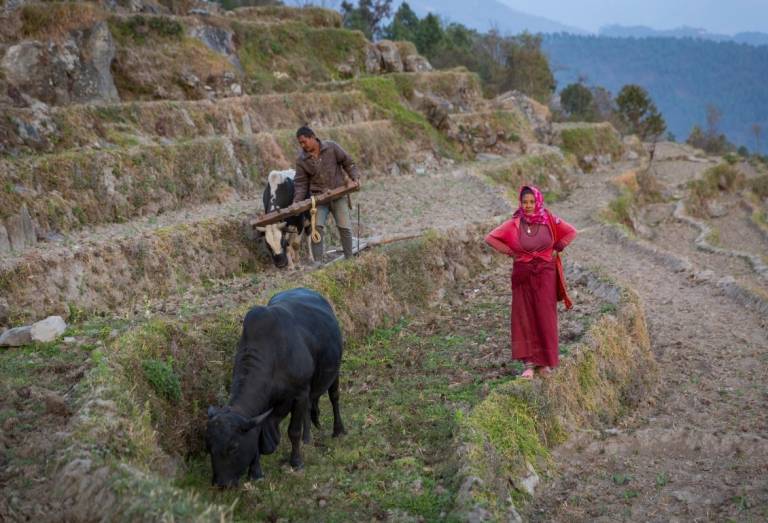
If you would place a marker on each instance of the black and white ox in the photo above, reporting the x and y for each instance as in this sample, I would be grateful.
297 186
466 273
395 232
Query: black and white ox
283 239
288 356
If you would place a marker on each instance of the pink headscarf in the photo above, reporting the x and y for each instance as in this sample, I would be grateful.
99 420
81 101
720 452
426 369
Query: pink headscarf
539 214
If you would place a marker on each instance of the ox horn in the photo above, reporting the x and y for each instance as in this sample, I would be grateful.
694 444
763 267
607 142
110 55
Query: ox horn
254 421
261 229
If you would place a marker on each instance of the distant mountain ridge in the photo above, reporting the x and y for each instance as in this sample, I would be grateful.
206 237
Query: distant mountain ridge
484 15
641 31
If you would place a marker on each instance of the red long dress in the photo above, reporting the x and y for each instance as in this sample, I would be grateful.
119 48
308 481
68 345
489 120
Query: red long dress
534 293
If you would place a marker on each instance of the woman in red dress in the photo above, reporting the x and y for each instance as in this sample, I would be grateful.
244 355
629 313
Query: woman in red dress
529 237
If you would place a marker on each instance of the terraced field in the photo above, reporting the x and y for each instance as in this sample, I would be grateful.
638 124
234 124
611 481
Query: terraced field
128 215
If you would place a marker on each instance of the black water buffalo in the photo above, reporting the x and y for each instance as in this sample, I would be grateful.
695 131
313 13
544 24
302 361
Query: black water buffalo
283 239
288 356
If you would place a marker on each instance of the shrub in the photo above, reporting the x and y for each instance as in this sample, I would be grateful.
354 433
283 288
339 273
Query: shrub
759 186
723 177
163 378
141 29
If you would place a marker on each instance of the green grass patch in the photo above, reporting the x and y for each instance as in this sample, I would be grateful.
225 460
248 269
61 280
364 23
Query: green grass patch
143 30
282 56
591 140
162 378
620 208
538 170
388 94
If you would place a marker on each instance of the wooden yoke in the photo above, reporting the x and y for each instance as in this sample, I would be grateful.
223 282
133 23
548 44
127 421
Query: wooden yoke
304 205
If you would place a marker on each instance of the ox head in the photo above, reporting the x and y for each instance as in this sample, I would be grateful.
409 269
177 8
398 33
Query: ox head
277 238
232 440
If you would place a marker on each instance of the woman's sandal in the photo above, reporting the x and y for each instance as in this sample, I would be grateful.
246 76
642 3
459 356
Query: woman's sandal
544 372
527 374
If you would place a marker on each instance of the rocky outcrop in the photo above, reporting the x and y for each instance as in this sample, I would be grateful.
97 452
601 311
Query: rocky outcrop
48 329
538 115
372 59
18 232
391 62
73 70
435 108
16 337
415 63
219 40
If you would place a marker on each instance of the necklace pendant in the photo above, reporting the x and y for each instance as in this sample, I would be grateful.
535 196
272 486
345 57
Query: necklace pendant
528 230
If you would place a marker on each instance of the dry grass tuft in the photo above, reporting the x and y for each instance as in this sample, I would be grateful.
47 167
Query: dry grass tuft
54 20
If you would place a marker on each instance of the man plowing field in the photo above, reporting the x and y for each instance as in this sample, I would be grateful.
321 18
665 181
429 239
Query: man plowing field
324 166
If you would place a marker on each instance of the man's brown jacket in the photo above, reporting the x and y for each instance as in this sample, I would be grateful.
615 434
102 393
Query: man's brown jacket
317 176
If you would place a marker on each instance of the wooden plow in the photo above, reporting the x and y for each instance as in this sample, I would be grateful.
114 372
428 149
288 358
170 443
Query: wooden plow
299 207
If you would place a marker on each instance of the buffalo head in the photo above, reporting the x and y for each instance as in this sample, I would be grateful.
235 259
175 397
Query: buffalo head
233 443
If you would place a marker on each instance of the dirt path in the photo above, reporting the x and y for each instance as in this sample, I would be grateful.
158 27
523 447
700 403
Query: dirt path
699 450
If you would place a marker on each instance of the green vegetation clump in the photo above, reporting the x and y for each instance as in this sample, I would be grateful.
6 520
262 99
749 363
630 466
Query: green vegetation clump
145 29
591 140
161 376
759 186
537 170
511 426
638 113
280 57
388 94
620 208
721 178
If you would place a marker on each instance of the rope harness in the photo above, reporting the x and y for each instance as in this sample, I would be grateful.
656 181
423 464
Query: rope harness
313 219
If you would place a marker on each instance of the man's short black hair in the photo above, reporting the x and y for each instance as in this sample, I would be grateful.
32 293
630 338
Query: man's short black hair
305 131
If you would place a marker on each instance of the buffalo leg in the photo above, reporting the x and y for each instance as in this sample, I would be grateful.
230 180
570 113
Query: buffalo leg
314 412
254 471
307 427
298 417
333 393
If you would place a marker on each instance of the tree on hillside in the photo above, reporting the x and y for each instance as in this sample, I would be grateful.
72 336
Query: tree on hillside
605 106
503 63
578 102
367 16
429 35
638 113
709 142
714 115
404 25
527 67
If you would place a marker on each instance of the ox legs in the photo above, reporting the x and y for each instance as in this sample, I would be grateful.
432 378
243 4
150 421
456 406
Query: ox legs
295 427
333 393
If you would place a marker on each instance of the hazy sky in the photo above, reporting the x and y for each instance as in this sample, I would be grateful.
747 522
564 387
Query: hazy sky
719 16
